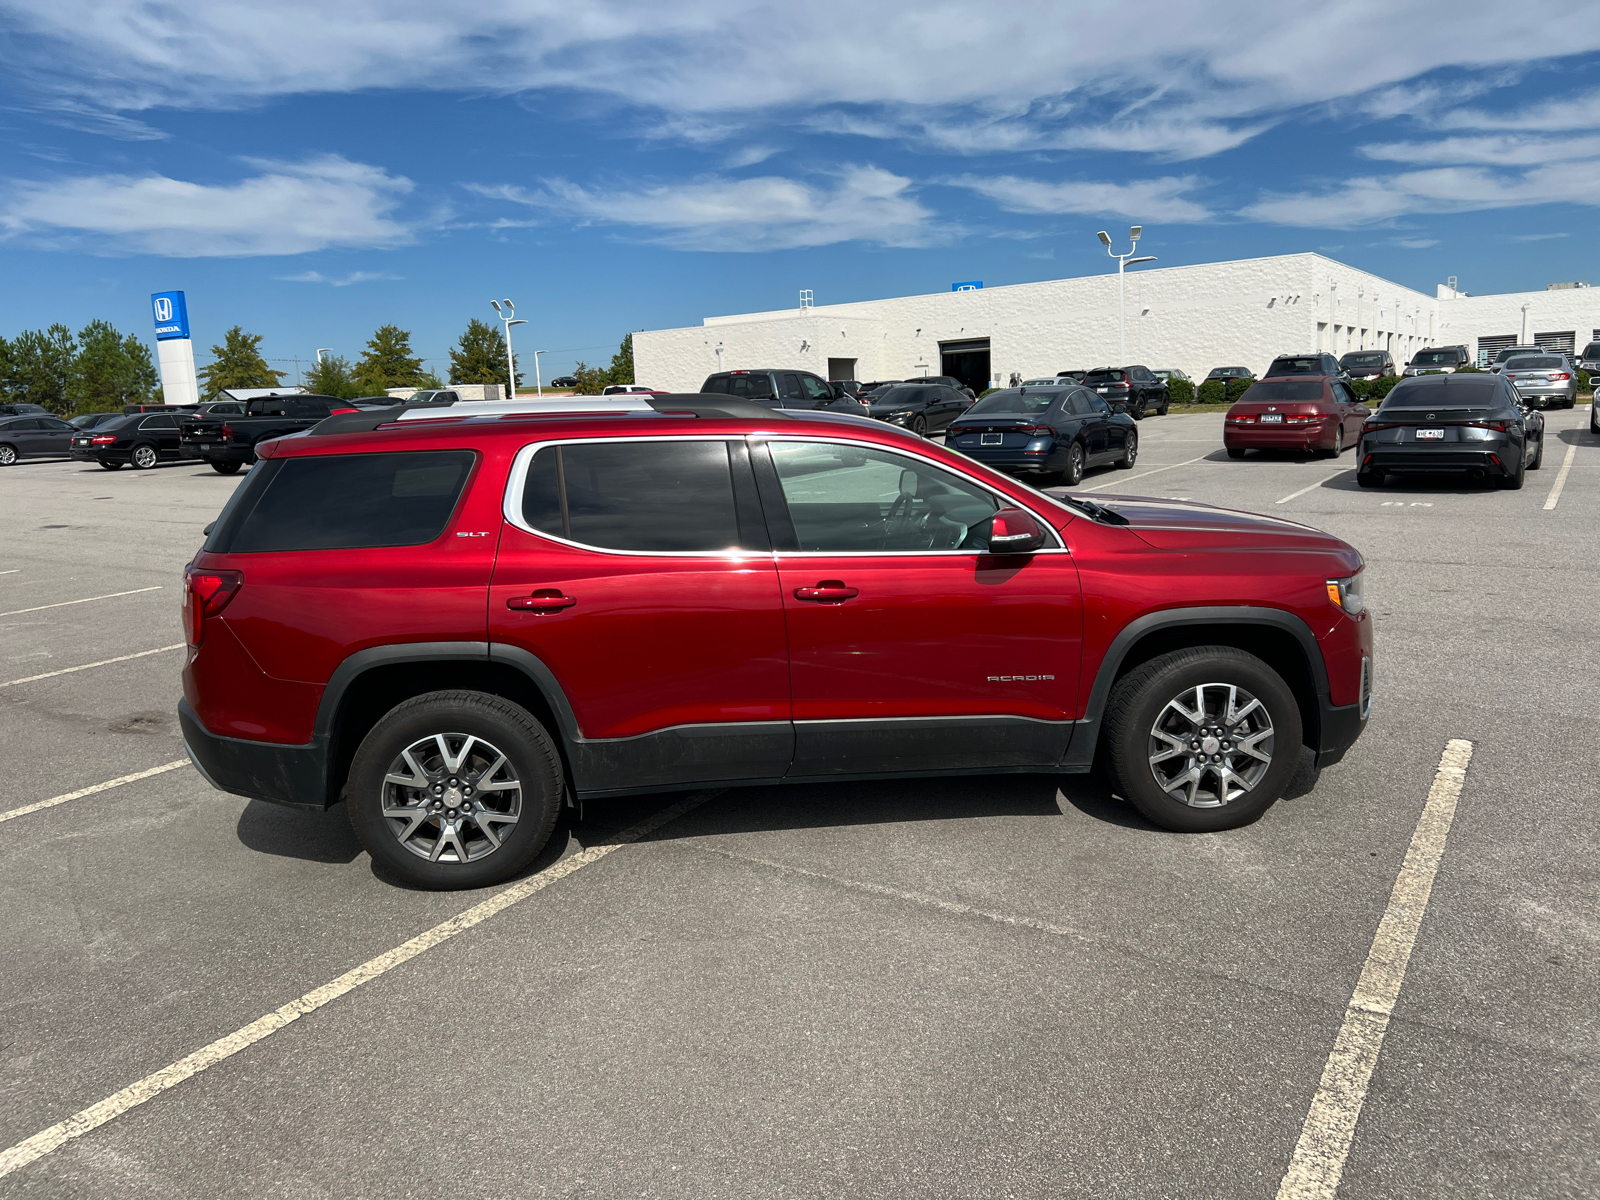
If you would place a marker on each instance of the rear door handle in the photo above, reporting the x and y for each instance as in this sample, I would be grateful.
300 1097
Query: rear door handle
543 600
826 592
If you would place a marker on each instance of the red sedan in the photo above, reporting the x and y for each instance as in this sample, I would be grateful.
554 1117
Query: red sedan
1303 415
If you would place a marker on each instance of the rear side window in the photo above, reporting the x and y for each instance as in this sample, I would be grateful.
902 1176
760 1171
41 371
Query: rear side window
652 497
1283 391
345 502
757 386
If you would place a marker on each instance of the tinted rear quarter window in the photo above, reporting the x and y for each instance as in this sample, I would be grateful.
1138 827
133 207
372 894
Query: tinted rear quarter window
344 502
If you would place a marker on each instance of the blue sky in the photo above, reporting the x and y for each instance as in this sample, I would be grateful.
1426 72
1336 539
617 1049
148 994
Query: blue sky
310 171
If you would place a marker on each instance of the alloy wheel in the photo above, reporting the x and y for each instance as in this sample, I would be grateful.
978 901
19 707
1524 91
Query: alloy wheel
144 457
8 455
1211 745
1074 471
451 798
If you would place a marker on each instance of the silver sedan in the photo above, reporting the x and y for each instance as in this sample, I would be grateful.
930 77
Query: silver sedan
1543 380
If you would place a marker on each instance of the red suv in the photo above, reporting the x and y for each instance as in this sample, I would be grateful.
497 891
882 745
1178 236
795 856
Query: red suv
459 619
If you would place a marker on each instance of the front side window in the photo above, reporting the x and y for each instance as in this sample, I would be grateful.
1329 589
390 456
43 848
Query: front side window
855 499
657 497
815 388
789 382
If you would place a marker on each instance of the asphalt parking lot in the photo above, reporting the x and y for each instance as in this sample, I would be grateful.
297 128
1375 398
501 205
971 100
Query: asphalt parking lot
990 987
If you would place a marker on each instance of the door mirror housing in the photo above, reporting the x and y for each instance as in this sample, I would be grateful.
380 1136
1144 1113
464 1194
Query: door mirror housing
1012 531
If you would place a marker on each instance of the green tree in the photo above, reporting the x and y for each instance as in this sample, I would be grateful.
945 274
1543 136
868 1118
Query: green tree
111 370
41 367
388 362
622 362
333 377
237 363
6 368
480 356
592 380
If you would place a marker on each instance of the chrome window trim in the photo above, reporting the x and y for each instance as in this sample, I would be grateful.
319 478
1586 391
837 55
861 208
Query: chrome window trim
516 481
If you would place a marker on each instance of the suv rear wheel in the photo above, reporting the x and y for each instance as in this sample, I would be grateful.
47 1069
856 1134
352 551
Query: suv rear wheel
1202 739
455 790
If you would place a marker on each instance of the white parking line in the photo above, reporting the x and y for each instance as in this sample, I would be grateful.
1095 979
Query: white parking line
17 612
104 662
1319 1156
46 1141
1313 486
13 571
1561 477
1114 482
89 791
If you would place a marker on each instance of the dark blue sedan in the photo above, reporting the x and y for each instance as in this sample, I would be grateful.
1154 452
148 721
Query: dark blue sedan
1048 435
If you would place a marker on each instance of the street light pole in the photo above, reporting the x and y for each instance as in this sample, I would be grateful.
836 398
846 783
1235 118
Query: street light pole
1123 262
538 383
507 312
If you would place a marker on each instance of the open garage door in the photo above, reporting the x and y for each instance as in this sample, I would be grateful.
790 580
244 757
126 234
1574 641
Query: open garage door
967 361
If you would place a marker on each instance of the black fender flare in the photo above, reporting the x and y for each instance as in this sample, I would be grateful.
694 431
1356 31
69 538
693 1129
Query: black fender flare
1086 735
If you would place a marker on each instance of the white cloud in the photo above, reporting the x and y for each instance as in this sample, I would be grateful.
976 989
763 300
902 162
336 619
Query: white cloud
290 208
1538 237
1204 75
340 281
1416 243
864 204
1573 112
1148 199
1376 200
1505 150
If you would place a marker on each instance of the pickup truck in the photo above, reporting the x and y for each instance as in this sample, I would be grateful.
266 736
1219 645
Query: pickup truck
229 442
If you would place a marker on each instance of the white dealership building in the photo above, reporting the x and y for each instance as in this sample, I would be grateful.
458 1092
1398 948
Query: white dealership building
1226 314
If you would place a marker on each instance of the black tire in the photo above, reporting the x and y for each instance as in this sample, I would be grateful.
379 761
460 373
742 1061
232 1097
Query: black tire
1235 451
1338 442
919 426
1076 459
1594 418
111 466
8 454
508 729
1136 411
1538 456
1571 400
225 468
1141 700
1162 411
1130 451
144 457
1513 483
1369 479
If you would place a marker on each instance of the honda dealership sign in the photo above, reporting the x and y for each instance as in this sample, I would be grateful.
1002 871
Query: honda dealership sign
174 349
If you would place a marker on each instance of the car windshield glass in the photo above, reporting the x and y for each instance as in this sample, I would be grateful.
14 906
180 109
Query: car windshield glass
1362 360
1101 378
1535 362
1592 350
1011 402
1283 391
1511 352
1309 364
902 395
1434 358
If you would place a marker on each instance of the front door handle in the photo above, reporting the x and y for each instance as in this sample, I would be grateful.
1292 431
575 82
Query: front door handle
828 591
543 600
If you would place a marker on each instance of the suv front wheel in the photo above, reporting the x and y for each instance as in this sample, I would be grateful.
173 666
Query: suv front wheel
455 790
1202 739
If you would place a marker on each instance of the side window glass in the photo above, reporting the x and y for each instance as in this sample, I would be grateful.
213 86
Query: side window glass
1079 405
854 499
158 423
23 426
717 385
815 388
790 384
661 497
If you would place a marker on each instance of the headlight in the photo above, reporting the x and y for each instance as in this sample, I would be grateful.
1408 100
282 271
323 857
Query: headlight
1349 594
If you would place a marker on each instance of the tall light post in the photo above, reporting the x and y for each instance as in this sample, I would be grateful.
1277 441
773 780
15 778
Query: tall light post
507 312
1123 262
321 350
538 383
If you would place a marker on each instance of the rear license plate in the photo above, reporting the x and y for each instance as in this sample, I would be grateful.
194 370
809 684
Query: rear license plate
1272 418
205 446
1425 435
1102 391
991 439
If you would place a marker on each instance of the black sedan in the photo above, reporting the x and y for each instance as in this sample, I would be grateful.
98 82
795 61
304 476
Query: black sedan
923 408
1471 424
142 439
1049 435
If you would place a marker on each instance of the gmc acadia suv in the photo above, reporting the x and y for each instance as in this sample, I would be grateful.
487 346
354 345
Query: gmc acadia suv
458 619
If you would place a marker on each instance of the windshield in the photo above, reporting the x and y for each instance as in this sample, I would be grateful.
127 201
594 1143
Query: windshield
1535 362
1434 358
1282 391
1309 364
1011 402
1511 352
1592 350
1362 360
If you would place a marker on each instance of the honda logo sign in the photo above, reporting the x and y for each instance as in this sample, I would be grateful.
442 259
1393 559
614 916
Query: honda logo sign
171 314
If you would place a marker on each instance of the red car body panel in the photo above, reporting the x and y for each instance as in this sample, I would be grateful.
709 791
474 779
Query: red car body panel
657 642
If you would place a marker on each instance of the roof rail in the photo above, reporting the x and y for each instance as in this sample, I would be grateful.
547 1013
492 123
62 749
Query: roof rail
685 404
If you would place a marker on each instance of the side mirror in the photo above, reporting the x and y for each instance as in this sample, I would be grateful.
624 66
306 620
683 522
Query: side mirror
1013 531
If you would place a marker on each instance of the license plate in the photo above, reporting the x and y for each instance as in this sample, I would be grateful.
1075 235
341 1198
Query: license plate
1102 391
1272 418
1426 435
991 439
205 446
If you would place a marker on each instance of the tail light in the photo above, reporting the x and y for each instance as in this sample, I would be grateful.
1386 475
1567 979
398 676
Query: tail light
1563 375
1037 431
334 412
105 439
227 433
1301 420
205 594
1502 426
1374 426
1245 419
